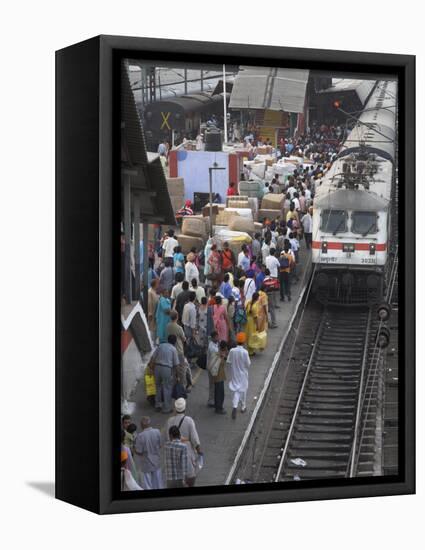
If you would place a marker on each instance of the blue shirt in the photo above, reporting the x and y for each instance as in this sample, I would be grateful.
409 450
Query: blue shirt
226 290
259 280
179 262
245 263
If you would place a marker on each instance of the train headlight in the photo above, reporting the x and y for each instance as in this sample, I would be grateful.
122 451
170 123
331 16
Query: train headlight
347 247
324 247
372 249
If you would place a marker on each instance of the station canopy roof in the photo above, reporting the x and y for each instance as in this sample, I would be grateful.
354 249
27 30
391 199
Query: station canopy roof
145 170
270 88
362 88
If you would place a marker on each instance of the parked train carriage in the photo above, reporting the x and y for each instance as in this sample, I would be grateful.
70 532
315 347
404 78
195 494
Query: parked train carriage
182 115
352 207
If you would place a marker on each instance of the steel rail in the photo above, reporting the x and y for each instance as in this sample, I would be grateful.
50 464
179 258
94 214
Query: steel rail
265 388
299 400
352 460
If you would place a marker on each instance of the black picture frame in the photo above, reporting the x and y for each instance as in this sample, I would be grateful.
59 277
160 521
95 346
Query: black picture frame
87 235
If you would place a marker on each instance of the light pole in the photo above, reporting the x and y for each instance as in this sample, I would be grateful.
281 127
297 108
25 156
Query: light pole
215 166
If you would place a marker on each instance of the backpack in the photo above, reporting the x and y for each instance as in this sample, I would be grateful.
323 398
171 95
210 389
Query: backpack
284 262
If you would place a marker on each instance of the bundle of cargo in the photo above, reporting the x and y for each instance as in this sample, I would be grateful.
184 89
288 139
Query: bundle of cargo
237 202
251 188
244 212
235 239
187 242
205 220
258 227
194 227
255 169
240 197
269 213
265 150
225 216
273 201
242 224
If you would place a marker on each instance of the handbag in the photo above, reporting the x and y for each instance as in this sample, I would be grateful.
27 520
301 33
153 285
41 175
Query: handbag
193 349
150 387
214 364
271 284
201 361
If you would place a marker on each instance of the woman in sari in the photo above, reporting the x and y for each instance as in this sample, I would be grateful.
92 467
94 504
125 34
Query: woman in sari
263 313
162 315
252 326
221 323
203 322
214 263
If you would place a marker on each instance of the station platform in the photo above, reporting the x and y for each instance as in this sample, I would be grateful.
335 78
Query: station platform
221 436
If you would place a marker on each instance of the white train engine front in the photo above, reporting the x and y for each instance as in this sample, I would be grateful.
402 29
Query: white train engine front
352 208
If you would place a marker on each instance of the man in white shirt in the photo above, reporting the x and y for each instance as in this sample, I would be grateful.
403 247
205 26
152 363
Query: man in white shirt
265 250
291 190
307 223
189 316
177 288
249 286
272 264
243 258
198 290
169 245
239 362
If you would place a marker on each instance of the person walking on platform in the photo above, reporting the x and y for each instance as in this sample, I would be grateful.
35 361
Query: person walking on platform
286 261
221 322
147 457
239 362
212 359
307 224
252 311
189 436
166 277
219 376
162 315
166 360
228 260
153 299
184 374
189 317
176 459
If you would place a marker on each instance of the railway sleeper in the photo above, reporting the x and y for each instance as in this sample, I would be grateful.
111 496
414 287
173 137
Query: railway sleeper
324 446
306 427
325 455
322 437
325 420
317 465
315 474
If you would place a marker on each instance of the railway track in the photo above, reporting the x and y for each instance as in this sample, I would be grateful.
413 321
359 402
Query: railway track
322 438
322 418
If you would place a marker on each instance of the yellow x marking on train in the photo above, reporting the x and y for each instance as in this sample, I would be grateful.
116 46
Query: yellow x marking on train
165 117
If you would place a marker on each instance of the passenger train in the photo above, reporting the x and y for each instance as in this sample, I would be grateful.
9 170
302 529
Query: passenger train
352 207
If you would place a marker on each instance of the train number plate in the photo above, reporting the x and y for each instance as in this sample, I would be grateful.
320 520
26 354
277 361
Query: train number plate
368 260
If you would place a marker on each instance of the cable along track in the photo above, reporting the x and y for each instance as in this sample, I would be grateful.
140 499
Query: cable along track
323 437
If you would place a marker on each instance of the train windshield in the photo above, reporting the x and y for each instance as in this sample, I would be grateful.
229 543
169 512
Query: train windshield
364 223
334 221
